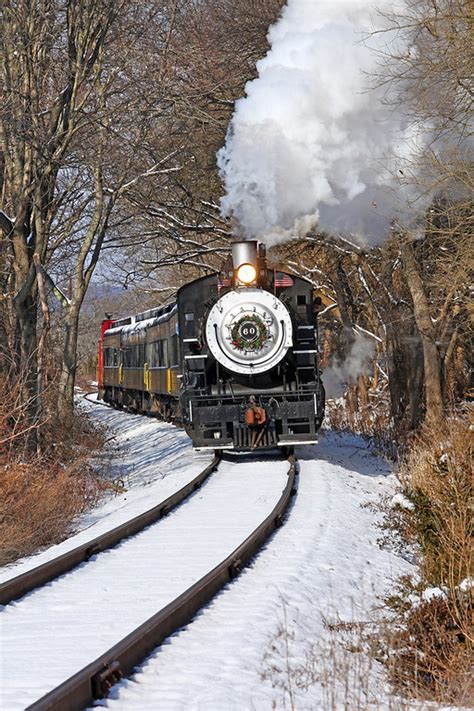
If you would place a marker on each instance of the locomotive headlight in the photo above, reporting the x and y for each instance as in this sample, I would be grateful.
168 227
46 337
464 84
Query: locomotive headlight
246 273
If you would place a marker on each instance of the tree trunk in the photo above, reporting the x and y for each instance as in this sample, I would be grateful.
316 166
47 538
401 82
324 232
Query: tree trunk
414 376
362 391
69 362
395 371
26 362
343 296
431 360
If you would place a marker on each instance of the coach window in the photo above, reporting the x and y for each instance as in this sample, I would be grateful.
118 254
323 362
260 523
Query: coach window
136 356
163 354
155 354
174 350
111 357
127 358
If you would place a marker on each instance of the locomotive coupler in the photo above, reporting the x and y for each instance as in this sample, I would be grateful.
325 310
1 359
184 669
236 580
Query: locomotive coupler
255 418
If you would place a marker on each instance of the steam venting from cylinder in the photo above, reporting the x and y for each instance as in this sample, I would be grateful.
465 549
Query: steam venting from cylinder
314 142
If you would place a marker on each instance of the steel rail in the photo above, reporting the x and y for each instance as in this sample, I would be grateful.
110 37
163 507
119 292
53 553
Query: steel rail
95 402
26 582
95 680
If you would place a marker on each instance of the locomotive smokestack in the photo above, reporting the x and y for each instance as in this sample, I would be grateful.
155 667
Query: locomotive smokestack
249 262
244 252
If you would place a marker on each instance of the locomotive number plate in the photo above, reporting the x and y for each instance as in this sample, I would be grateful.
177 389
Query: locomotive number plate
248 330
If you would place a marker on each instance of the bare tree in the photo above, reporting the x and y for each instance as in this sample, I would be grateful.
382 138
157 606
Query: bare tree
52 62
431 81
75 122
212 49
410 297
432 75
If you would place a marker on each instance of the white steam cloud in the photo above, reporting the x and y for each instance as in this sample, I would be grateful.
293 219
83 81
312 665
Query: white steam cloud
310 141
339 375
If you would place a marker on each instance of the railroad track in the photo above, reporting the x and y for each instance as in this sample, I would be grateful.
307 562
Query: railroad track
95 679
20 585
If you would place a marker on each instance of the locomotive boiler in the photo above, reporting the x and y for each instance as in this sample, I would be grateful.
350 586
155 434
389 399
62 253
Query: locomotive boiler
234 358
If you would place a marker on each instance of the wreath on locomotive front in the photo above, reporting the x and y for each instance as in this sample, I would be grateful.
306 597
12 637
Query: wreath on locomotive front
249 333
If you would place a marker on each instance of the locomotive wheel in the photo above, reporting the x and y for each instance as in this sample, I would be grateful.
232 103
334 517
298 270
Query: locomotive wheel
146 403
166 413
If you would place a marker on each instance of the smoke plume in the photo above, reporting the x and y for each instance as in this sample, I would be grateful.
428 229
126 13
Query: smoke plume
309 143
338 375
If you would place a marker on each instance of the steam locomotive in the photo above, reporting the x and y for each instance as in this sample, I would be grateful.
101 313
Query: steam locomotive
234 358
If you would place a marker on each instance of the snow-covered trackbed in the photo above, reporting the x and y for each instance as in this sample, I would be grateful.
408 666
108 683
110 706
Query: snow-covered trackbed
118 606
25 582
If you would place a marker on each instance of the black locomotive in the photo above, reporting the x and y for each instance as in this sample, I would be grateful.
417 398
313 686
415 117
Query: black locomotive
234 359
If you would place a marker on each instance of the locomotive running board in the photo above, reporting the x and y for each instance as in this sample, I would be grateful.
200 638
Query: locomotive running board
214 446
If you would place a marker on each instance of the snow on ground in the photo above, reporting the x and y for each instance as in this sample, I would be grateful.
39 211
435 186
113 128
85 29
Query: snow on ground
153 460
262 642
253 647
57 630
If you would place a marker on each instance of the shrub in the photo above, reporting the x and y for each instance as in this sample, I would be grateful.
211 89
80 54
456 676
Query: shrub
44 489
437 479
431 656
39 502
432 652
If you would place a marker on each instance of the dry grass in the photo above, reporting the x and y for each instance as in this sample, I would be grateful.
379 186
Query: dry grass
41 494
39 502
431 655
424 640
84 382
341 669
348 664
433 650
370 418
437 478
